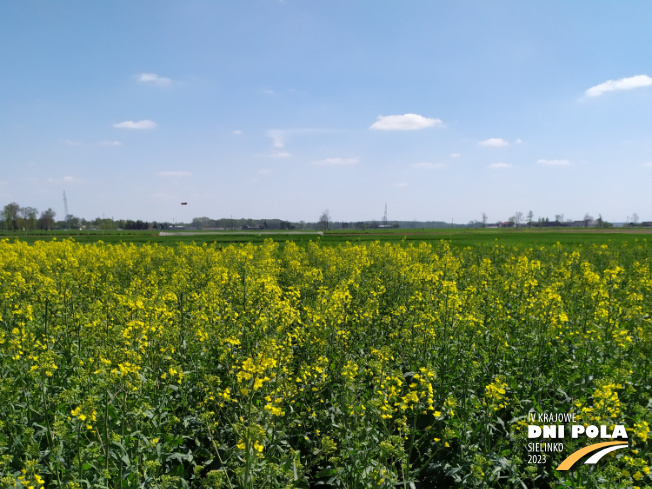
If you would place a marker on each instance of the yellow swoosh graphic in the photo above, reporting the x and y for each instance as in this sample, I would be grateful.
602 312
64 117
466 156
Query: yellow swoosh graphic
575 456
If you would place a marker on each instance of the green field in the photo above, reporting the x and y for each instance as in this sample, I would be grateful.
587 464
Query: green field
456 237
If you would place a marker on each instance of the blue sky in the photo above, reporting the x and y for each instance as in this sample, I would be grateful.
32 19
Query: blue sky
281 109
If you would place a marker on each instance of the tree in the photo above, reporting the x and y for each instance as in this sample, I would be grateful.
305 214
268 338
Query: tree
29 217
46 220
484 220
530 218
602 223
588 218
201 222
10 216
517 218
104 223
73 222
559 218
635 218
324 219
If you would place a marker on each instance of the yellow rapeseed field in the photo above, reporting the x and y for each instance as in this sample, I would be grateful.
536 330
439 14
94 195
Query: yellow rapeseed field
354 366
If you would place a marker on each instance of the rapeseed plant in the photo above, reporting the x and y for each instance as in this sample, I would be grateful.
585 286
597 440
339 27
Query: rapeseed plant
376 365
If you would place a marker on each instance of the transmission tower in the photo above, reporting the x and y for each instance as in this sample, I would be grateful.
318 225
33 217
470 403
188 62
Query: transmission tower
65 208
385 216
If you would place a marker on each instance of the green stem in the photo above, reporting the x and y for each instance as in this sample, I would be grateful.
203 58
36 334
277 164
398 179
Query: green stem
79 460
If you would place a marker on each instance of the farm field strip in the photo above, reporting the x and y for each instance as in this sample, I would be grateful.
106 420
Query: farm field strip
455 237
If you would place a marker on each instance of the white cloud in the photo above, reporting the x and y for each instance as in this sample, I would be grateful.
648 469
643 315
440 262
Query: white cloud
499 166
649 163
110 143
554 162
494 142
281 154
336 162
174 174
237 132
428 166
66 180
269 92
622 84
519 141
405 122
456 155
144 124
154 79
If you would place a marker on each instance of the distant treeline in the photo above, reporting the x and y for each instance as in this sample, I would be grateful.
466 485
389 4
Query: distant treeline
206 223
17 218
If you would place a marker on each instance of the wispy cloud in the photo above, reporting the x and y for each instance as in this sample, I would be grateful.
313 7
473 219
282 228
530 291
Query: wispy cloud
153 79
167 174
281 154
265 171
66 180
401 184
456 155
279 137
101 143
405 122
500 166
269 92
428 166
554 162
494 142
237 132
649 163
336 162
622 84
144 124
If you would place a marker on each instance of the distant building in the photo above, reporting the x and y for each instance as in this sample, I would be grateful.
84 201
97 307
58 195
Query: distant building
262 225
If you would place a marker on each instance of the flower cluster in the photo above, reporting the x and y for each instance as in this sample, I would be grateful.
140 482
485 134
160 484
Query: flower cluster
287 365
